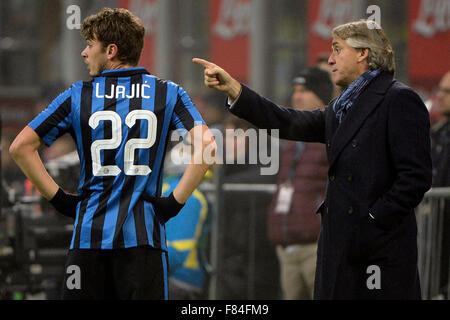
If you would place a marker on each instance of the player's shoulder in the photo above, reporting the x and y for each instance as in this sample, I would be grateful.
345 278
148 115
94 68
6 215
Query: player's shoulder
80 84
77 87
171 85
63 96
72 92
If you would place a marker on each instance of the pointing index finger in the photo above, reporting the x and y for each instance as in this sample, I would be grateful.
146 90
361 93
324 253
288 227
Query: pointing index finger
204 63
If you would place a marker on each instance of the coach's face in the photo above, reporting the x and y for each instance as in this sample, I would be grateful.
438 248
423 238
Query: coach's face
346 62
95 56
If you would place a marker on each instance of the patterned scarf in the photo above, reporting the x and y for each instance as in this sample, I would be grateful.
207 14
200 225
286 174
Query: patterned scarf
349 96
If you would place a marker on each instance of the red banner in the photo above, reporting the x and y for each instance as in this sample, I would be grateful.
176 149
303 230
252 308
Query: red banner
429 41
323 16
147 11
229 36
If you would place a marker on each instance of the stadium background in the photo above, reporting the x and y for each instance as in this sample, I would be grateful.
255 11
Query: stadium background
263 43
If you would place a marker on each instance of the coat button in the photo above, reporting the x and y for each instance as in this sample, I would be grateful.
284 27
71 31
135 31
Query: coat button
332 178
350 210
329 144
350 178
354 143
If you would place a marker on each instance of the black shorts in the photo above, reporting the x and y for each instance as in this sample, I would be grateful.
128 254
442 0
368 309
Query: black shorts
126 274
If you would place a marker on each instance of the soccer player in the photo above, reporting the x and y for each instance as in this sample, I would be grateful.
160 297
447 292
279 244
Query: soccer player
120 121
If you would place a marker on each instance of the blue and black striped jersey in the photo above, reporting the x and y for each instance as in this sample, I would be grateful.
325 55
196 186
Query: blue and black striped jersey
120 122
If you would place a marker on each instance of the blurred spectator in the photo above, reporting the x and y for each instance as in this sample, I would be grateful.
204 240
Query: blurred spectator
441 135
432 104
293 223
322 62
187 273
440 147
211 107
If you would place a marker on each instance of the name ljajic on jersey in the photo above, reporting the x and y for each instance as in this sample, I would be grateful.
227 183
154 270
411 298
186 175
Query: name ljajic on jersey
137 90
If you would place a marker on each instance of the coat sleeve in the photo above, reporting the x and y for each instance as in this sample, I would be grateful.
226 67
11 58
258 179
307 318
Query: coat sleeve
409 148
308 126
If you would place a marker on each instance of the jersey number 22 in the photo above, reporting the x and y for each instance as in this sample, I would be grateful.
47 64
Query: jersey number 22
109 144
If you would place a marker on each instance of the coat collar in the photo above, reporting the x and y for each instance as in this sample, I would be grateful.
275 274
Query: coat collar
364 105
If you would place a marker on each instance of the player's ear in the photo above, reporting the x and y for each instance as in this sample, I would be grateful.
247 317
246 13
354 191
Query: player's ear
112 51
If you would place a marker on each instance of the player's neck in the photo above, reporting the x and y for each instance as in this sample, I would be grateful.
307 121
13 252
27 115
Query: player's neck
114 65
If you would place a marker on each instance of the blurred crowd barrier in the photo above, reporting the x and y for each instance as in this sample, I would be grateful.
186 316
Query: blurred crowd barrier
434 260
240 261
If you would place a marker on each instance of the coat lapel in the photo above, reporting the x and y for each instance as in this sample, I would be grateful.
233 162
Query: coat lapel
364 105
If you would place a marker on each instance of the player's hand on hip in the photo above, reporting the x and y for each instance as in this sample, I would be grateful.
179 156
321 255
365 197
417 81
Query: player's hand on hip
65 203
165 207
217 78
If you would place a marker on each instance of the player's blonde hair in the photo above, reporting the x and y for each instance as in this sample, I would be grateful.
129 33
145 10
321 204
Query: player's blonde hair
368 34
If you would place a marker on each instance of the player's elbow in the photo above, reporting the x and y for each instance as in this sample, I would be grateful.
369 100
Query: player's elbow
26 142
16 149
19 148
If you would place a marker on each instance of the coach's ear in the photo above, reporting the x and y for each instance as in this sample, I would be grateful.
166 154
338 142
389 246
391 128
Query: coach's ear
363 54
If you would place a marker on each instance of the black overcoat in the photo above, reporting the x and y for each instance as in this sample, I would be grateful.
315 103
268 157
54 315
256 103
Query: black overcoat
379 163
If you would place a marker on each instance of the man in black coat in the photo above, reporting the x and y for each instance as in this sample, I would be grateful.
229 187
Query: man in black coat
378 147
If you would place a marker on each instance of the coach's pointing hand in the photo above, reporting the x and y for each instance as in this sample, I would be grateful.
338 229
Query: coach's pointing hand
217 78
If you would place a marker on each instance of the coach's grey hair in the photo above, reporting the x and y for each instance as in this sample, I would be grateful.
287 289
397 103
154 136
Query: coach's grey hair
368 34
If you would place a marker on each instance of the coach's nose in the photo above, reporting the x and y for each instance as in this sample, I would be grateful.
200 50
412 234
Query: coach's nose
331 60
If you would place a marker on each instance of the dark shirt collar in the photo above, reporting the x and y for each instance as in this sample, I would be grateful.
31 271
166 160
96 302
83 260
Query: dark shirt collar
127 72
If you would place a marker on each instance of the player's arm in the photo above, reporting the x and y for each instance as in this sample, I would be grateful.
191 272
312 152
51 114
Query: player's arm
204 148
24 151
185 117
